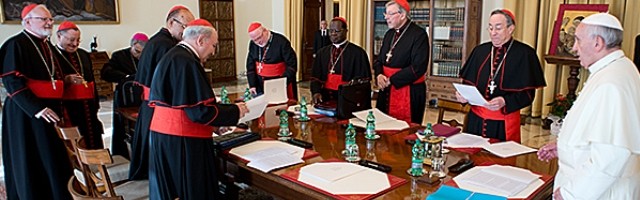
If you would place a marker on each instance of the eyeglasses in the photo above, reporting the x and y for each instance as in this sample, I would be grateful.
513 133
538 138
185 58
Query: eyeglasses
184 26
335 31
44 19
496 28
390 14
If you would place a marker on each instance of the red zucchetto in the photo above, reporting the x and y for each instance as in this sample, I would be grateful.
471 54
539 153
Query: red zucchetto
67 25
27 9
404 4
199 22
340 19
254 26
508 12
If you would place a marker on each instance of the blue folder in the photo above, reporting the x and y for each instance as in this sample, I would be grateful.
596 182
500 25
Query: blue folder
446 192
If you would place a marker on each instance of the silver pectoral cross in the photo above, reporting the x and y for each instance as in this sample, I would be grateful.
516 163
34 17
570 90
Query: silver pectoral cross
332 71
260 68
492 87
389 56
53 83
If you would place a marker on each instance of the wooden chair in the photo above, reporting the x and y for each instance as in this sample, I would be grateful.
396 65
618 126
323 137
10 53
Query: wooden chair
78 193
72 137
101 158
452 106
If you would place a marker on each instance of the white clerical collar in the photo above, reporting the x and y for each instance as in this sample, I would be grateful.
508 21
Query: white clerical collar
190 47
604 61
338 45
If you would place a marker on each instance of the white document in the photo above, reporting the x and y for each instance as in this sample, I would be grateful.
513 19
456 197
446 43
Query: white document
276 90
274 161
507 181
465 140
471 94
348 178
441 32
384 122
296 109
256 107
508 149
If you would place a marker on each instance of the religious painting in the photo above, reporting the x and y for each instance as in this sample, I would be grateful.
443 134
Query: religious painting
564 29
78 11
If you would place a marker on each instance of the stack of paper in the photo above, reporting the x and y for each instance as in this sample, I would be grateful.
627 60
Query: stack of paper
507 181
256 107
275 90
384 122
340 178
269 155
502 149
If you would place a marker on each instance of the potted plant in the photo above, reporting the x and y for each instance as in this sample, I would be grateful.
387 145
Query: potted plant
559 107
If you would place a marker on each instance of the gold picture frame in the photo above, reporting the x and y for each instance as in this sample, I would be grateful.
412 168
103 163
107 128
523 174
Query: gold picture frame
569 16
81 12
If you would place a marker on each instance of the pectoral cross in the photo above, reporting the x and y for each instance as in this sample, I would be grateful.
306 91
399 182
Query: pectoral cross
389 56
53 83
260 68
332 71
492 87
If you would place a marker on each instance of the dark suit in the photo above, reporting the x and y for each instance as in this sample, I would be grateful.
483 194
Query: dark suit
636 57
320 41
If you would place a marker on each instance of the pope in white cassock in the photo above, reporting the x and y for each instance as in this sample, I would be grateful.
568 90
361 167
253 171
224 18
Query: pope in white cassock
598 147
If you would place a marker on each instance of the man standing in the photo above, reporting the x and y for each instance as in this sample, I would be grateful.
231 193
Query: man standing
340 63
157 46
121 69
321 38
80 99
270 57
507 73
182 158
401 65
36 165
597 148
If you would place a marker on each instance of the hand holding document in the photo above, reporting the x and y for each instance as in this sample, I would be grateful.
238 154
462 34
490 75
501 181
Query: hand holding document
256 107
276 90
471 94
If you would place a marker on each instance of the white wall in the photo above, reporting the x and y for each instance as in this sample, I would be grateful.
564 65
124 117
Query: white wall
135 16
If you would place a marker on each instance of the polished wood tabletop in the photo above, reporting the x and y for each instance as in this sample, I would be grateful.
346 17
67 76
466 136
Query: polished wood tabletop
327 136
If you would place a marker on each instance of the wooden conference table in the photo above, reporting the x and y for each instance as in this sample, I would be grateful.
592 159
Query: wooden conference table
327 136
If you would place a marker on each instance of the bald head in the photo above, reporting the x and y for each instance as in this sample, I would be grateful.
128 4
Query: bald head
260 36
177 21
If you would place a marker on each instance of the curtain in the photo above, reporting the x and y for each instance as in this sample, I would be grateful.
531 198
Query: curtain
356 14
293 25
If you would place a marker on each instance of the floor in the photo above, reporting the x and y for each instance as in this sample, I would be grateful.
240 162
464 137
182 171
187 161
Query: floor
533 135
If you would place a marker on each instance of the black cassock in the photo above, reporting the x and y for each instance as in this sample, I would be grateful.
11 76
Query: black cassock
277 50
82 111
121 65
352 64
36 165
409 58
320 41
516 81
156 47
182 162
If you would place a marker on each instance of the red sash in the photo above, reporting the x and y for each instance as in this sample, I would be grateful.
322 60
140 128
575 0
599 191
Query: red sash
173 121
271 70
400 98
79 91
44 89
145 93
511 121
333 81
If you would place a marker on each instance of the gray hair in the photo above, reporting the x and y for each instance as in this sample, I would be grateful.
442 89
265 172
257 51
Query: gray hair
612 37
509 19
192 32
24 20
390 3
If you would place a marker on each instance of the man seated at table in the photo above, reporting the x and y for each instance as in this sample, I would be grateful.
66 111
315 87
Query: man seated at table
337 64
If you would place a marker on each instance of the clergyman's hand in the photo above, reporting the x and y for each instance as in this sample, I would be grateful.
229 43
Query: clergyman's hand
243 109
557 195
548 152
253 91
460 98
317 98
383 81
496 103
48 115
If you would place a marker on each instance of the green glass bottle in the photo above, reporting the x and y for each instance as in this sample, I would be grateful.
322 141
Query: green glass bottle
370 132
247 95
303 111
351 152
284 133
224 96
417 159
